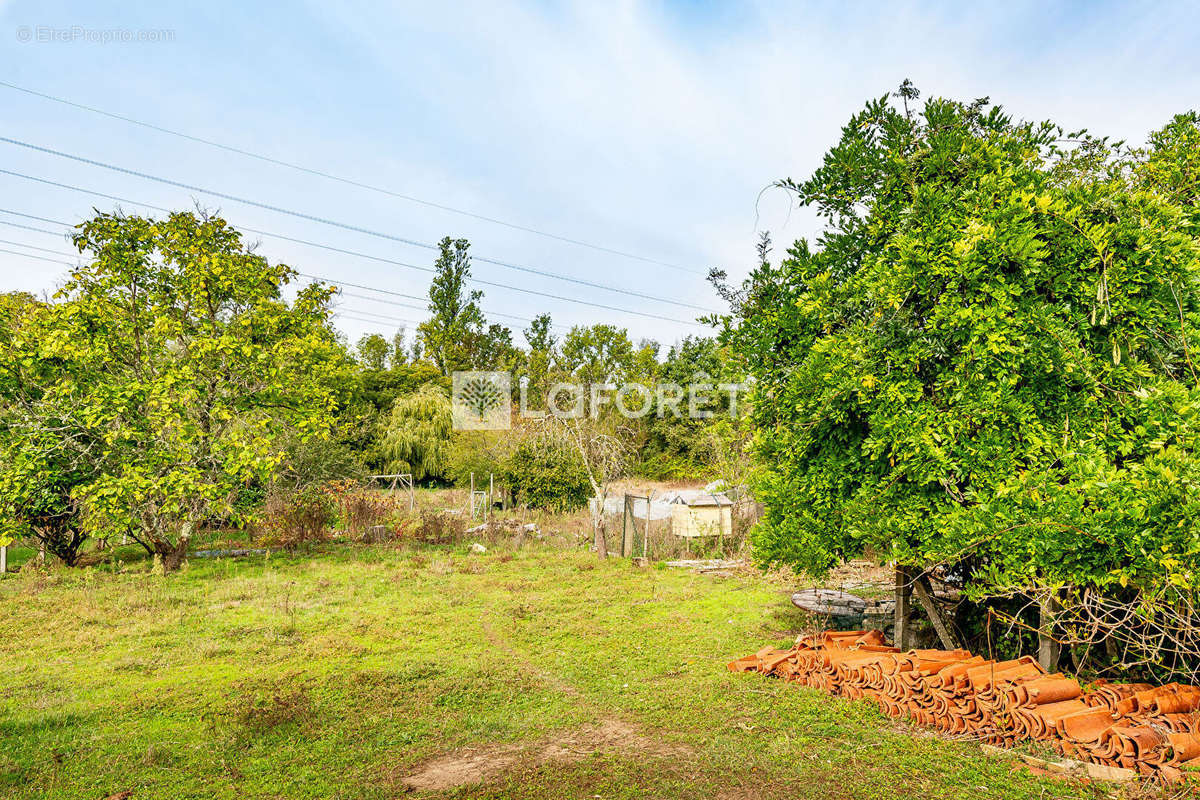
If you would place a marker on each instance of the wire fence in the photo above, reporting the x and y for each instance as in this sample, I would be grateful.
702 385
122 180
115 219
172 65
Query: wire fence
634 533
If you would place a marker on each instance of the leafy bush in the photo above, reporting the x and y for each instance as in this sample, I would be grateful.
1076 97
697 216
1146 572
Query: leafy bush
984 363
660 466
297 518
359 508
436 527
547 473
478 452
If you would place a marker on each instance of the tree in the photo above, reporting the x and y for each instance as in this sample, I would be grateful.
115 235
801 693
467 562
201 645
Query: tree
456 321
540 335
540 358
544 471
605 448
43 446
985 363
416 435
373 351
597 353
399 353
490 349
679 446
180 366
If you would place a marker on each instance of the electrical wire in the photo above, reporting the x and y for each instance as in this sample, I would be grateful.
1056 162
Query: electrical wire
39 258
348 181
355 253
303 274
336 224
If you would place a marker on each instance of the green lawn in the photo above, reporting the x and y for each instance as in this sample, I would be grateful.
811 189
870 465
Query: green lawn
342 674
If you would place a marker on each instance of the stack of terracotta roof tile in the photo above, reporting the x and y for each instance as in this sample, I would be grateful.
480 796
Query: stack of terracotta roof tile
1152 730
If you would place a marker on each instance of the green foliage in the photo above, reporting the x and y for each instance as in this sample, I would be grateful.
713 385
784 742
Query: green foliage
313 461
597 354
416 434
381 388
294 518
478 452
986 360
38 476
456 336
545 472
373 351
166 374
678 446
539 334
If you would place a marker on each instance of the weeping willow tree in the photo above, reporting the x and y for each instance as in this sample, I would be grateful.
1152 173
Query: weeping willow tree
416 435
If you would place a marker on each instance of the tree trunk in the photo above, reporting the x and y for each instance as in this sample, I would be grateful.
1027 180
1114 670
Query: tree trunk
1049 649
903 624
601 544
924 593
173 555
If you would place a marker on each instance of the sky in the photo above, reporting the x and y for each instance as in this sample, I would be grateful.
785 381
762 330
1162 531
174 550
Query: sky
654 129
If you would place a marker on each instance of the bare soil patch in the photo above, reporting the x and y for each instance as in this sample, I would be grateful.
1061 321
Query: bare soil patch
478 765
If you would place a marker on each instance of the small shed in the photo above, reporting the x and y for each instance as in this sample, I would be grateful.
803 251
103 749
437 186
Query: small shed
701 514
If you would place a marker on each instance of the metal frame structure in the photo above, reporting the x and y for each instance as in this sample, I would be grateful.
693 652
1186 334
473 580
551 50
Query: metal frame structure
403 480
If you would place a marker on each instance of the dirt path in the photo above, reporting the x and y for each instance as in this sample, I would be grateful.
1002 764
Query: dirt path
481 764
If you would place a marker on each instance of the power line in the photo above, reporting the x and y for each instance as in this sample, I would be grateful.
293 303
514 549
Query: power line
330 281
344 251
360 316
344 293
39 258
347 181
35 247
334 223
30 228
336 311
39 219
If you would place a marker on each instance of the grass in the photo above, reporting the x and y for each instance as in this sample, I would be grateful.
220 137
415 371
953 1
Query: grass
338 675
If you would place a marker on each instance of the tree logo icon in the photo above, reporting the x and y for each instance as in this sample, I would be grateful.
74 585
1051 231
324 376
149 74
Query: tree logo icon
481 395
481 400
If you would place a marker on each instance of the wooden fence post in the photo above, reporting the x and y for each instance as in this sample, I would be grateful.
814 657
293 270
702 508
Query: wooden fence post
1049 650
903 632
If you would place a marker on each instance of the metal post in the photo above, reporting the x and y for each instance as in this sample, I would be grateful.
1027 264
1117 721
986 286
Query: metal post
3 558
646 535
627 530
491 489
472 495
624 523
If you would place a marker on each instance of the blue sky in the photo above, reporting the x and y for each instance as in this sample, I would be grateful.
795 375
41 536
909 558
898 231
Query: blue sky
649 128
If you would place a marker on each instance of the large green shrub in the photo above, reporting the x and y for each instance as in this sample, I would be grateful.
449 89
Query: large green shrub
987 360
544 472
481 453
